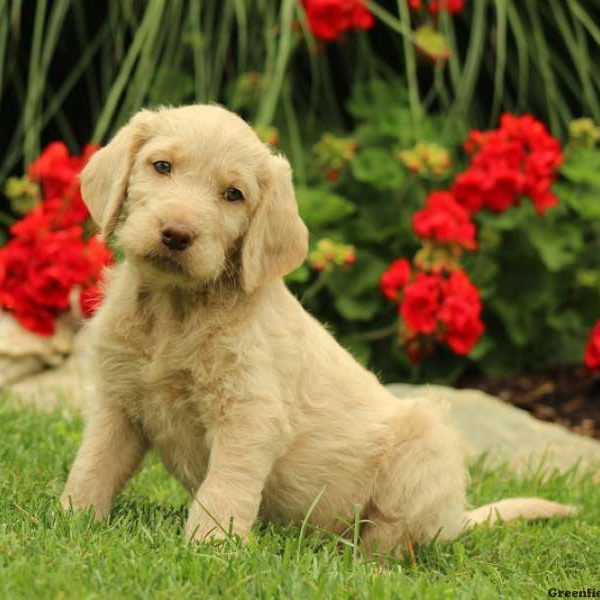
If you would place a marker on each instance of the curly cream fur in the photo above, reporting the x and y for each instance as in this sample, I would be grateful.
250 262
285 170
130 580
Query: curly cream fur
209 359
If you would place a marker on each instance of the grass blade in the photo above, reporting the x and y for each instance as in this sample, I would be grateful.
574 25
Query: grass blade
500 70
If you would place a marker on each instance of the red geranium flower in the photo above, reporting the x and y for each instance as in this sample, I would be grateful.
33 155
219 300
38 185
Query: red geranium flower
460 313
328 19
444 220
452 6
421 303
591 356
468 189
395 278
48 257
518 159
436 6
57 170
502 189
438 308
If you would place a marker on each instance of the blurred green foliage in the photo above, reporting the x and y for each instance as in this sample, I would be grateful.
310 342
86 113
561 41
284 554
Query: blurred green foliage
76 70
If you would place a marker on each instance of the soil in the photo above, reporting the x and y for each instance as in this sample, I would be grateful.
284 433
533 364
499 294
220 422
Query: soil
569 396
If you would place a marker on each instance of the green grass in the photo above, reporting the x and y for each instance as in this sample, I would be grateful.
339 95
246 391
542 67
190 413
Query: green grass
140 552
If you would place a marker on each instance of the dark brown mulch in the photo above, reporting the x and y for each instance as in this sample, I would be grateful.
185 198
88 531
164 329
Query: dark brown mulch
566 395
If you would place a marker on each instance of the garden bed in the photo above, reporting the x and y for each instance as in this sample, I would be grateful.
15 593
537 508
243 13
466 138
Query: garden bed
568 395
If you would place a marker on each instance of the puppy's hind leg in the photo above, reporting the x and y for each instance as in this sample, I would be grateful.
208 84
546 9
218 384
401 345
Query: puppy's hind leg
111 451
419 489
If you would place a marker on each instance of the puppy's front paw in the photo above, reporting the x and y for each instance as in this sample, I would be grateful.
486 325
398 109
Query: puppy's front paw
65 502
69 502
204 530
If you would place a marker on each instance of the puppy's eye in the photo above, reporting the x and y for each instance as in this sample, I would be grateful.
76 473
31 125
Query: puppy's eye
233 195
162 166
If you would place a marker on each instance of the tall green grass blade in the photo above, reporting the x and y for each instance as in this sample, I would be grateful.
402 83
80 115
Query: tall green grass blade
149 63
55 100
65 129
196 42
268 103
575 43
83 37
31 142
520 37
222 44
293 136
447 27
473 59
411 67
585 19
500 70
241 18
313 63
4 30
542 56
400 26
588 69
152 16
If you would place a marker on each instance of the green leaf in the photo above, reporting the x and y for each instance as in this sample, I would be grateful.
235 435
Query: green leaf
568 321
588 278
300 275
378 168
319 207
359 349
398 124
514 218
583 166
583 199
364 275
558 244
375 97
518 321
483 270
378 222
354 309
483 347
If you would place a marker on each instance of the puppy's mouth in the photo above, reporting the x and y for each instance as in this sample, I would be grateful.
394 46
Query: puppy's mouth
165 262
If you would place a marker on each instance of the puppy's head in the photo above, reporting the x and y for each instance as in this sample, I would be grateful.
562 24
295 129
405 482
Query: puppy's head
194 196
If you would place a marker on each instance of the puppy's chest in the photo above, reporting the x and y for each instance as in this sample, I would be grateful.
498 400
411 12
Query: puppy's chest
178 390
183 382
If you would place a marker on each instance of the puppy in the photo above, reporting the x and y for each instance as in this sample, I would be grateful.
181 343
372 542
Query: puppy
203 354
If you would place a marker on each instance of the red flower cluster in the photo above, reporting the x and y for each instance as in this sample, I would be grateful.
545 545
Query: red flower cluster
436 6
445 221
434 308
328 19
518 159
395 278
436 300
591 356
48 256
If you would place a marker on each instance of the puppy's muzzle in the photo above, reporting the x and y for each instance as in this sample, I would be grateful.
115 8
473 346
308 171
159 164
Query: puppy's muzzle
176 236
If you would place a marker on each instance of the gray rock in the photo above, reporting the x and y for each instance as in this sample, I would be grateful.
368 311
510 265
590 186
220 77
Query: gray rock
62 386
506 433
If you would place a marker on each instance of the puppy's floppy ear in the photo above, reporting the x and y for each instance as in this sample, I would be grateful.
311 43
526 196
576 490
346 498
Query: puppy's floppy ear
277 239
105 177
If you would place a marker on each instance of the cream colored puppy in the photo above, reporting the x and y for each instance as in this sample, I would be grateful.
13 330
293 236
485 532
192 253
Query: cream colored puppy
203 354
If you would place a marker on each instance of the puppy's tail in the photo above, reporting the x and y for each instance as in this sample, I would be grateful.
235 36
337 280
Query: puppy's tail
518 508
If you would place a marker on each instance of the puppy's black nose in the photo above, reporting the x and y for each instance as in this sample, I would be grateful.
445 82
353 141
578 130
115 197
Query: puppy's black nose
177 236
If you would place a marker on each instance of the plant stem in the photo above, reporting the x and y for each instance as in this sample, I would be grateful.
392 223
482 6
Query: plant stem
376 334
314 288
